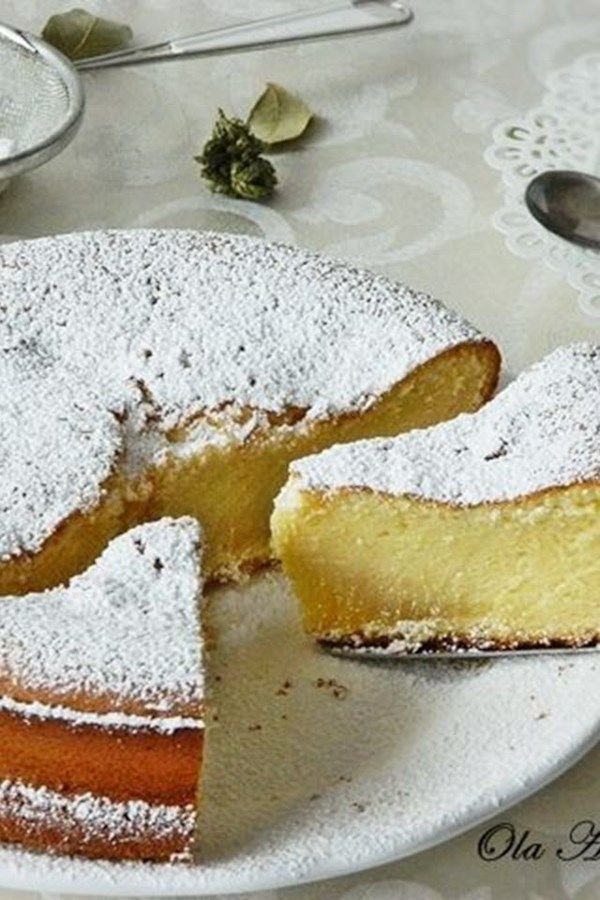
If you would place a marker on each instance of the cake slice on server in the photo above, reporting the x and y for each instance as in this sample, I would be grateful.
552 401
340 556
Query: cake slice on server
481 532
101 704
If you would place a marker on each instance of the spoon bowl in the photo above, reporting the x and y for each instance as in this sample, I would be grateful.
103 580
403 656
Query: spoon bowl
567 203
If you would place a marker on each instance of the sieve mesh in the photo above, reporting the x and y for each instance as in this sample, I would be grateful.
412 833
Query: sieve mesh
36 102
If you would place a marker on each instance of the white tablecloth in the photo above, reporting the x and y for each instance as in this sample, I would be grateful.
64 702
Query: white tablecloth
393 175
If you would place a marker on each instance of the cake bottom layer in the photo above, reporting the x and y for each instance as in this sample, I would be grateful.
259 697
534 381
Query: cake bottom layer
91 826
374 570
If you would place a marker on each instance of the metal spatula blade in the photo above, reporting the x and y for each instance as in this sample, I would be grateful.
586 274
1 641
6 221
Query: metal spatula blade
461 654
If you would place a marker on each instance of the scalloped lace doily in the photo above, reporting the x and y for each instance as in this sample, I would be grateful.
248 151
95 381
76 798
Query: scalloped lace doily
561 133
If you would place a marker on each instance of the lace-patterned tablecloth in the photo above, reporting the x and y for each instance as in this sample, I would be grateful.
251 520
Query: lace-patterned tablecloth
415 168
560 133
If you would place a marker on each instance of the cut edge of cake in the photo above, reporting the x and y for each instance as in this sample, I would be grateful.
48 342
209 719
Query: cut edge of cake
478 533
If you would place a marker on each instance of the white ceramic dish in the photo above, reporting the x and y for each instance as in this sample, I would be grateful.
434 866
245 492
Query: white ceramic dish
321 766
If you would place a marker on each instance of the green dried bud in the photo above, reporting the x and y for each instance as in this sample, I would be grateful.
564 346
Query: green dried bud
232 163
253 180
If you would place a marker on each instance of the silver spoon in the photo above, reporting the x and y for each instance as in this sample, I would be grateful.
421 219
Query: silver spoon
343 19
568 204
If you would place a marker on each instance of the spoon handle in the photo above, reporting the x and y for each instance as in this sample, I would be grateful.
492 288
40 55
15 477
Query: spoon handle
348 18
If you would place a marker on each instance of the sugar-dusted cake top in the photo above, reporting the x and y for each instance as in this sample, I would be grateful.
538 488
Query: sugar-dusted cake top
124 637
542 430
108 336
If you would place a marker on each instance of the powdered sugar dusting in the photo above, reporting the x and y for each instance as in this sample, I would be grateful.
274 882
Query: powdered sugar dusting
542 430
107 336
123 636
58 444
96 817
109 720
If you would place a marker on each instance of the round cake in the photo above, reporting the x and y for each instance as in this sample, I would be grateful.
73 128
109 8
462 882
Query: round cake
147 376
154 373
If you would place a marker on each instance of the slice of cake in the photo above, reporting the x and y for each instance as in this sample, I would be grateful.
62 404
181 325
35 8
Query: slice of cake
101 703
482 532
153 373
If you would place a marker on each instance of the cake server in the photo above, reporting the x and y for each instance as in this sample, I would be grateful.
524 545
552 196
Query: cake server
459 655
42 98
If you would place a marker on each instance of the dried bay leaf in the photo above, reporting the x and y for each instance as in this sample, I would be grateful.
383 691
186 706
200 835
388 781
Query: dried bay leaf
278 116
79 34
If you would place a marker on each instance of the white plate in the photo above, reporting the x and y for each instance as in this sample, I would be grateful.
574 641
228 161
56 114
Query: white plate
320 766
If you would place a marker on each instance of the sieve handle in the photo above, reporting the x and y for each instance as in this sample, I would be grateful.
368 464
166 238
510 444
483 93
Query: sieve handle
345 19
